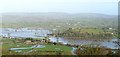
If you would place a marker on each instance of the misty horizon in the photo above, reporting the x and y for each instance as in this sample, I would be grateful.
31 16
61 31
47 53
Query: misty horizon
109 7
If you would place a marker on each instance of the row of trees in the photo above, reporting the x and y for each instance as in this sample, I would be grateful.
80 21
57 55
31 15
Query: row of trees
78 33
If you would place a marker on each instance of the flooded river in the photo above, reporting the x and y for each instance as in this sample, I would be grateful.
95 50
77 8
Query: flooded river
106 43
25 32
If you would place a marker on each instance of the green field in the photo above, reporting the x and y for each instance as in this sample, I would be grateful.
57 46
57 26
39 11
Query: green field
49 49
59 21
89 33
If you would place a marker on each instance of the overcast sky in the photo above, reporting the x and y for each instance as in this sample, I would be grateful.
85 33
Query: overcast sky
68 6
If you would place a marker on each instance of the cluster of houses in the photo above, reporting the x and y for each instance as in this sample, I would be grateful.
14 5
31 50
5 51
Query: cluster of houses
37 41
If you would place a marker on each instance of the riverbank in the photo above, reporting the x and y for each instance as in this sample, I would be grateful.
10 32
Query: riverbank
90 39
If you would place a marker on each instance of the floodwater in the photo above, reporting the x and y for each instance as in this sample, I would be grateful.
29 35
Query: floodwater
25 32
106 43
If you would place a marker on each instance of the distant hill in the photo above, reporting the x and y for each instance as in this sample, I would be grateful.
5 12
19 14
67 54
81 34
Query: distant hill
52 19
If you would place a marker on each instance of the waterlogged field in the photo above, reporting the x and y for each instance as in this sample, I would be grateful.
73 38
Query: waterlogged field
49 49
